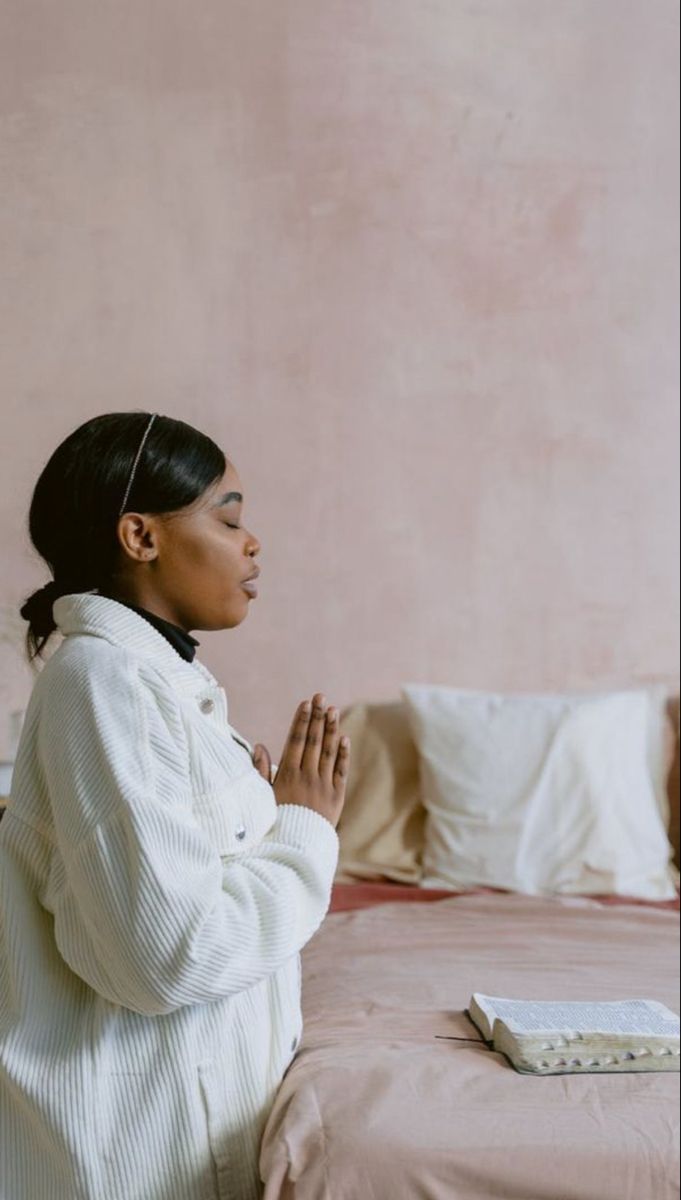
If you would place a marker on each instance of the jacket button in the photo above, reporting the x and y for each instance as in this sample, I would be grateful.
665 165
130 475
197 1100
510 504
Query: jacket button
207 705
241 832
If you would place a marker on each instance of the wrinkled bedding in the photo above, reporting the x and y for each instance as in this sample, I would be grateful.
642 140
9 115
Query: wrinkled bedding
378 1105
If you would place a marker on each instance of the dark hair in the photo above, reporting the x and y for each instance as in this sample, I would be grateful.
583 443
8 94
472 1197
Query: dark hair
76 502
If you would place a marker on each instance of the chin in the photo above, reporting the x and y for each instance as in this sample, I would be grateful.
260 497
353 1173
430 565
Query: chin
236 617
231 613
228 620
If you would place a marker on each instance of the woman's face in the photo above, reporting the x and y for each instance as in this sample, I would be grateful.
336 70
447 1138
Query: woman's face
190 566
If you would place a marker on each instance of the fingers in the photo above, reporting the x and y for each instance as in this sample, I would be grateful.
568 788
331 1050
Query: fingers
310 759
329 747
314 742
342 763
295 745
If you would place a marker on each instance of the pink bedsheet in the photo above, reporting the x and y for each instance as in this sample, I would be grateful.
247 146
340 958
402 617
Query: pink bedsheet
377 1105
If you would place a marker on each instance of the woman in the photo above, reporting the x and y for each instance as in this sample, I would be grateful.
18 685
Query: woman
156 887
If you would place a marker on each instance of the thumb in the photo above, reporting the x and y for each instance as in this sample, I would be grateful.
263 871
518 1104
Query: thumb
261 760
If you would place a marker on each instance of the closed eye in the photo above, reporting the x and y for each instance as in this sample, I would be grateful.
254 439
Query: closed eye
232 526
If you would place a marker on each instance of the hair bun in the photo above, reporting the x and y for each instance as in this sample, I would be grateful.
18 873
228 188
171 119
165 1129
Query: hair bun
37 609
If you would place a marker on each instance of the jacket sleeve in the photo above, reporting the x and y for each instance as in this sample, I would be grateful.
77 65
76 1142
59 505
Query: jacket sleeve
145 911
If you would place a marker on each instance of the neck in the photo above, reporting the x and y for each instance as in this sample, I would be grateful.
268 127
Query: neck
152 604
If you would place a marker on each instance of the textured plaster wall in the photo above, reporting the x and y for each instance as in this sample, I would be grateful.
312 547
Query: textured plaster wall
413 265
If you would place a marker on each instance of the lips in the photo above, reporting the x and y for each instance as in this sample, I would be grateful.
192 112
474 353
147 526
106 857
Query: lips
248 584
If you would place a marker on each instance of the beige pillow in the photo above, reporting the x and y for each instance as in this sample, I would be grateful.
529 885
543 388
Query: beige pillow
545 793
381 826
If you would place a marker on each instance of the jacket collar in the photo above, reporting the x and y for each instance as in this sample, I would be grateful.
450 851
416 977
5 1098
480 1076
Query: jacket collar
100 616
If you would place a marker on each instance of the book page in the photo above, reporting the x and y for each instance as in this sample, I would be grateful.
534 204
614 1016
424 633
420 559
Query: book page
606 1016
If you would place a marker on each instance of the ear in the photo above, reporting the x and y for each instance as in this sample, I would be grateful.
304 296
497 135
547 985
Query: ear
138 536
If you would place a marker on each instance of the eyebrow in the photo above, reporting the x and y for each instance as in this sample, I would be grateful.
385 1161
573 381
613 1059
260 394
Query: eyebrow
227 497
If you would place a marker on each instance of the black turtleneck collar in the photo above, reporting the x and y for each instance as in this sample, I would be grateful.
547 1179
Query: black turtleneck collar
182 641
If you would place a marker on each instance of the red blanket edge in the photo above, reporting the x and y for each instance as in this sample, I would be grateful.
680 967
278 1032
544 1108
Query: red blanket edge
363 894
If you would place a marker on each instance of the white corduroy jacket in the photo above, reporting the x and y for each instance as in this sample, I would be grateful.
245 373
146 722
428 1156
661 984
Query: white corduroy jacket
154 900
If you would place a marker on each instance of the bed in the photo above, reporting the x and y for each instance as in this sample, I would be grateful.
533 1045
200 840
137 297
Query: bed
392 1096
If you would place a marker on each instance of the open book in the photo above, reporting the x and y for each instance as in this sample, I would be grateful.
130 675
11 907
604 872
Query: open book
551 1037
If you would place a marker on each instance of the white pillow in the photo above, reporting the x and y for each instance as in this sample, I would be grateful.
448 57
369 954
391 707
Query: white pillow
545 793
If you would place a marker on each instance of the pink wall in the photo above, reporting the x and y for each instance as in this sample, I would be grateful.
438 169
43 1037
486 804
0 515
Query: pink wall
412 263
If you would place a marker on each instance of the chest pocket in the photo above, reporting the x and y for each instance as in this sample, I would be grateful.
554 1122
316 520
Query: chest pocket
230 798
